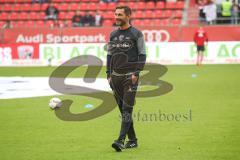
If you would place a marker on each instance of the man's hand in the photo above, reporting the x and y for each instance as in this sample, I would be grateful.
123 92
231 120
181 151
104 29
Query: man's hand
134 79
109 80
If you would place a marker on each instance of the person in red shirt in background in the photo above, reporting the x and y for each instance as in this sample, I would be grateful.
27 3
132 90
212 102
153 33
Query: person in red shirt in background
200 38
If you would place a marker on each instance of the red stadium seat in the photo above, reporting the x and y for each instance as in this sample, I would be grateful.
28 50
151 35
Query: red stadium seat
7 7
26 7
136 22
108 15
176 21
107 23
69 15
83 6
101 13
4 16
33 16
102 6
49 23
40 24
43 7
55 4
81 13
62 15
170 5
20 23
14 24
179 5
160 5
159 14
37 16
147 22
157 22
111 6
138 14
140 5
150 5
168 13
73 7
149 14
132 5
92 6
17 7
178 13
13 16
23 16
92 13
42 15
63 7
36 7
30 23
165 22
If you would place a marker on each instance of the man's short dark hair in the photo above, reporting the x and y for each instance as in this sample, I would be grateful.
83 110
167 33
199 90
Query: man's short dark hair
127 10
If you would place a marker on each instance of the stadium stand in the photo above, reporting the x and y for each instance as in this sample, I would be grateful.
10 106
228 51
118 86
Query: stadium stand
210 12
22 13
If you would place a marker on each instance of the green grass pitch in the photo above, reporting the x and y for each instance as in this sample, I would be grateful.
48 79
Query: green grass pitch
29 130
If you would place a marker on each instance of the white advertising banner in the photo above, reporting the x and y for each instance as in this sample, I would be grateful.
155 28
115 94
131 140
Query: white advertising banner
164 53
56 54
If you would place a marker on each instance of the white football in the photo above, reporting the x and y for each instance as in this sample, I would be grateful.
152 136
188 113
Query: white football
55 103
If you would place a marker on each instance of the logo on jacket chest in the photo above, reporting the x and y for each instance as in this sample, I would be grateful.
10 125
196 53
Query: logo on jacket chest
121 42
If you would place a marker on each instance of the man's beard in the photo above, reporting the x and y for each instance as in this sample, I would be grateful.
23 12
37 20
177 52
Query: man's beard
120 23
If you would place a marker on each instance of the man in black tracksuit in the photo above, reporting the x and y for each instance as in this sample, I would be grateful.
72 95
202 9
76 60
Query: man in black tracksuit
126 58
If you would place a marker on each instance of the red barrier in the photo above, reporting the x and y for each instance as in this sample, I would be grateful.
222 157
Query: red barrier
96 35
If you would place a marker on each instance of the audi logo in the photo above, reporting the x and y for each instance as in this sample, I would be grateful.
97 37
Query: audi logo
156 35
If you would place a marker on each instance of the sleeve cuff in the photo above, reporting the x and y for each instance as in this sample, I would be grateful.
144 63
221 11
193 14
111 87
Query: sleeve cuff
108 74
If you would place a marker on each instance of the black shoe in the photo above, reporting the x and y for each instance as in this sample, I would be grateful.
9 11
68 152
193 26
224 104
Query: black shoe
131 144
118 145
